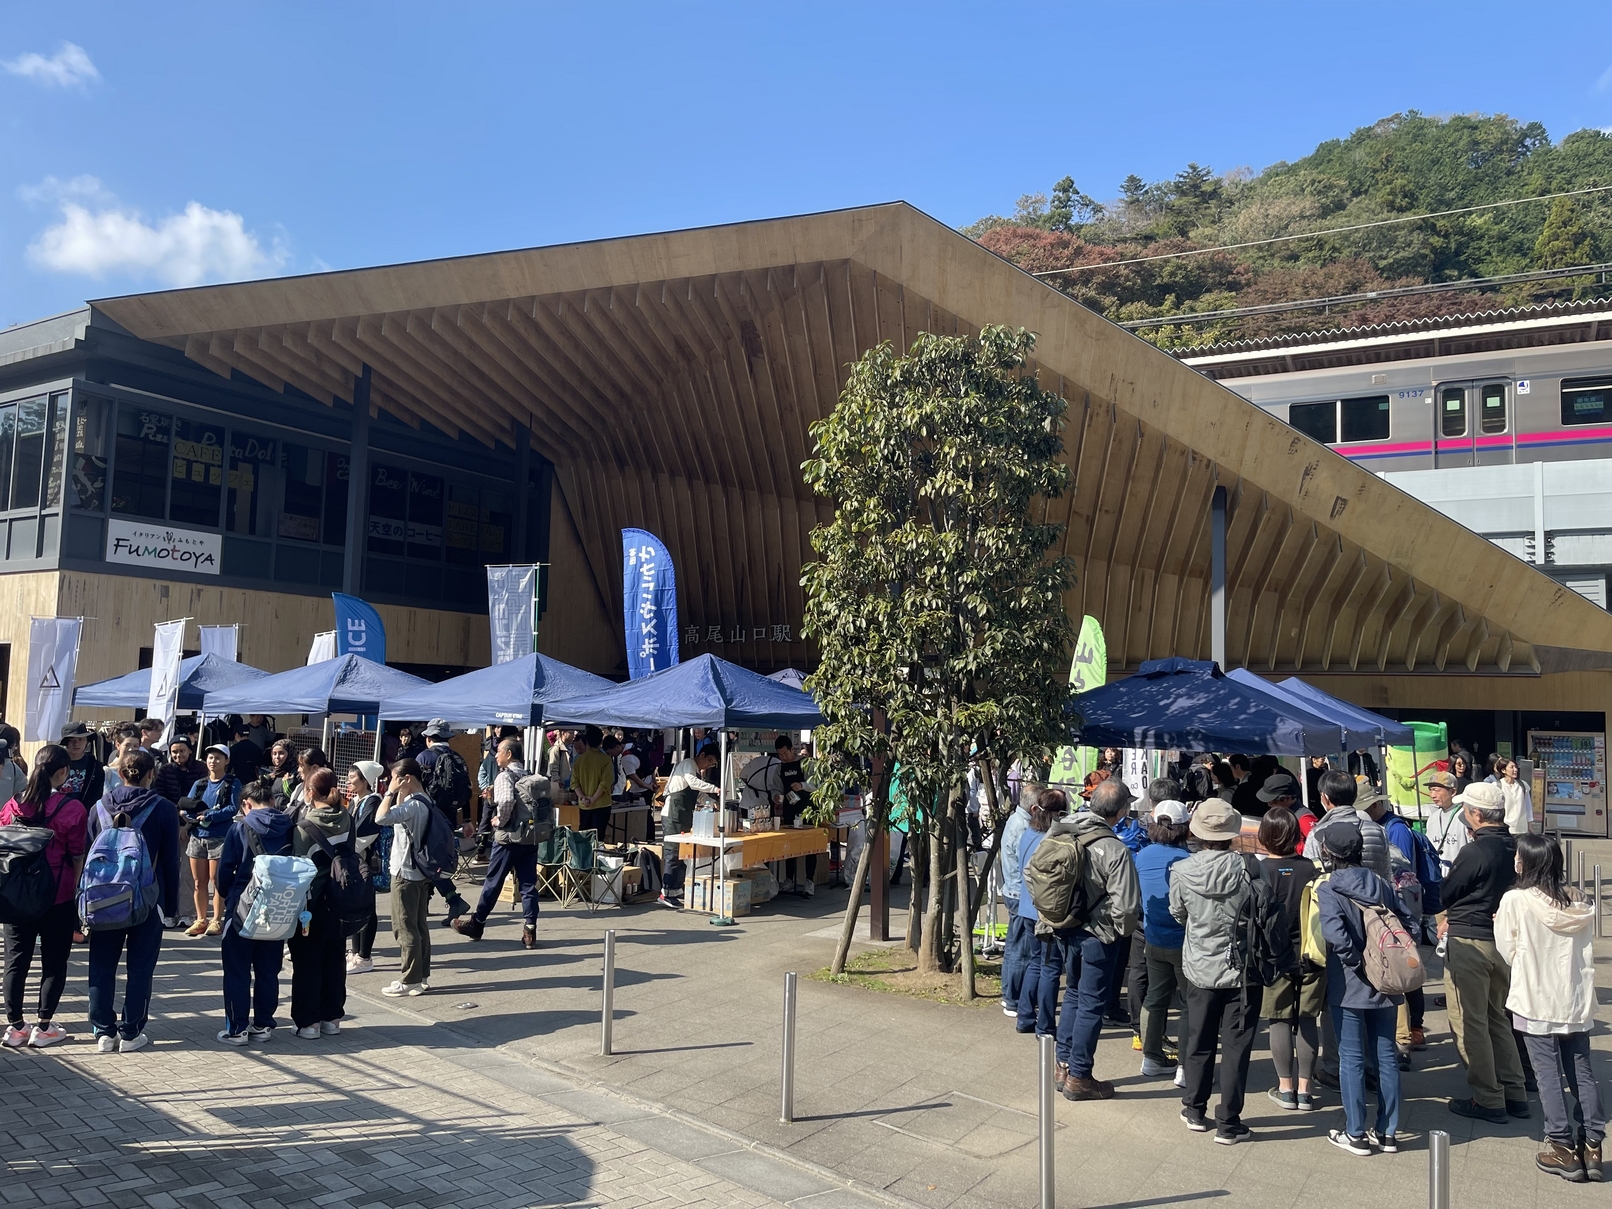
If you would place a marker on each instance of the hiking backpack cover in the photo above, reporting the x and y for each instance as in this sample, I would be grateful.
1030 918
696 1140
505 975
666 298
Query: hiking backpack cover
118 887
272 904
27 882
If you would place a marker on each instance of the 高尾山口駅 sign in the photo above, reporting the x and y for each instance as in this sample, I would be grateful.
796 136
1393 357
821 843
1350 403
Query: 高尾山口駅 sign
162 548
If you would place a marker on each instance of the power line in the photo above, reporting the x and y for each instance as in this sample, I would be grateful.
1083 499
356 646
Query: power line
1382 222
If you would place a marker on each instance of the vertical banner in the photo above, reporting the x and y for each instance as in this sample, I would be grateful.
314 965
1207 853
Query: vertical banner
322 648
52 663
648 603
1087 670
167 651
359 629
221 640
511 608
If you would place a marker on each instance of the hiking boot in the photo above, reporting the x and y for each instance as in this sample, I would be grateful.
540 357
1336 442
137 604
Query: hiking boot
1418 1038
1060 1075
1084 1087
468 926
1591 1156
1194 1120
528 938
1471 1108
1557 1159
1518 1109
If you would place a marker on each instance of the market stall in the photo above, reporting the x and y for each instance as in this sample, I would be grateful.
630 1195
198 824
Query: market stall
507 694
198 676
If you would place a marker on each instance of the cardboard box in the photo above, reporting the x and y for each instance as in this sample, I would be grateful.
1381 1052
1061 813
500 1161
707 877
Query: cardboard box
705 894
763 885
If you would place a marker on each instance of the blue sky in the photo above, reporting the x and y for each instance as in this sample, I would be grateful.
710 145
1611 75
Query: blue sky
149 145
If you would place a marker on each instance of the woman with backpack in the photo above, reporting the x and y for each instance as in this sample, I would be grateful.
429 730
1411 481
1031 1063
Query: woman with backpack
210 809
251 967
1544 932
1294 1002
1038 992
132 807
42 804
324 834
1362 1014
374 850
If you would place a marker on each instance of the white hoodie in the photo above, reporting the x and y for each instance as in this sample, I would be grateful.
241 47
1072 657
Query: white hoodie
1551 957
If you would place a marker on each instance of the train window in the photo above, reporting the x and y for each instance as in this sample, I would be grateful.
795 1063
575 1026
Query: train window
1492 416
1452 412
1317 420
1365 419
1586 400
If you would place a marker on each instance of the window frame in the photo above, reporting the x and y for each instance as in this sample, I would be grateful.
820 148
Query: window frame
1316 406
1384 404
1505 409
1466 415
1575 386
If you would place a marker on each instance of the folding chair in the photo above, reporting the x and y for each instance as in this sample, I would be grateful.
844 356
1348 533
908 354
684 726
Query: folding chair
581 864
552 857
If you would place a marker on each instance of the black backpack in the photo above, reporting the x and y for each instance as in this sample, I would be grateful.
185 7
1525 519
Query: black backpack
533 817
27 882
448 783
348 892
1261 941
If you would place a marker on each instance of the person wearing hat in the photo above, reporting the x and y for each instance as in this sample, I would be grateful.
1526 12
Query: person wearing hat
210 807
1477 976
1421 901
1207 891
1446 822
374 844
1280 789
451 792
1162 936
1362 1015
86 779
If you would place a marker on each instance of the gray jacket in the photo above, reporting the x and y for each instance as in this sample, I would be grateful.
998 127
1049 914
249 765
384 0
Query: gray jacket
1112 893
1373 841
1206 894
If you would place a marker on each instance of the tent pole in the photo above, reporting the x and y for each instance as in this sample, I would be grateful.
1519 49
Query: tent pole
1217 578
380 732
721 916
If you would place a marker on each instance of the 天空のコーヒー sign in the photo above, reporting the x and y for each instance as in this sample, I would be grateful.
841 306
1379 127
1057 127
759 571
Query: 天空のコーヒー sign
161 548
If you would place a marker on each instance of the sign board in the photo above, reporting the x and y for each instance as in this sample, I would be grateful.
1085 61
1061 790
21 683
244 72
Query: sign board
158 547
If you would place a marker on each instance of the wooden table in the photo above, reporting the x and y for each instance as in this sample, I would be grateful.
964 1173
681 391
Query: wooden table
757 847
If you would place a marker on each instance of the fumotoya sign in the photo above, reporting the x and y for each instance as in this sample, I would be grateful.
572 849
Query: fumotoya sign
161 548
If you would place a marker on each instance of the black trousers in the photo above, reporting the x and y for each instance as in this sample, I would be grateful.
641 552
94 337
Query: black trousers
1228 1017
318 973
54 935
1133 960
679 818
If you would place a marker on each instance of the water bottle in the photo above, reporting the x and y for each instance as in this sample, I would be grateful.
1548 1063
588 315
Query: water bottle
1443 946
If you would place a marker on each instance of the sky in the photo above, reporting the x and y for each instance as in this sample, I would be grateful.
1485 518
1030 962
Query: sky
146 146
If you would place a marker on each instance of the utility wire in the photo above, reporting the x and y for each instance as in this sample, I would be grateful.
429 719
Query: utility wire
1382 222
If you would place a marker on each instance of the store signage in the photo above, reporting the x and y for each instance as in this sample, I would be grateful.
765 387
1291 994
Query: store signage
160 548
717 635
649 603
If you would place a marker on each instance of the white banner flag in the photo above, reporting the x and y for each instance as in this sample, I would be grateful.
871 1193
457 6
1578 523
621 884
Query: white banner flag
323 648
220 640
167 651
52 663
511 604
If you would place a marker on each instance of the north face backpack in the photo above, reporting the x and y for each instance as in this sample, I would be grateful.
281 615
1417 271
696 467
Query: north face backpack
1261 944
272 905
1055 876
118 887
348 892
437 853
27 882
533 817
1390 961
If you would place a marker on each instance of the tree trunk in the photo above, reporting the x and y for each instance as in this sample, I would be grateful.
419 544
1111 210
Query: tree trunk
998 828
965 916
929 950
917 848
875 823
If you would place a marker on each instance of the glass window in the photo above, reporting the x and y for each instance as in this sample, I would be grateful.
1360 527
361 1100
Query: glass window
8 436
462 528
1365 419
425 516
304 490
30 455
252 471
198 473
55 454
1492 415
388 508
497 521
140 462
1452 412
336 499
1317 420
1586 400
90 424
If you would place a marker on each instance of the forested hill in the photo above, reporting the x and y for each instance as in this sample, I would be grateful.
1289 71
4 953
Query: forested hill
1407 164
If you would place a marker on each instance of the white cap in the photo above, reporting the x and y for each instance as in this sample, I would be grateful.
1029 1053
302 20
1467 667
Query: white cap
1170 812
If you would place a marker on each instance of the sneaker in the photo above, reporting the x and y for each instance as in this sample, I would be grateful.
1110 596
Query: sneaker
1307 1102
1341 1139
1404 1059
1152 1068
1181 1077
107 1044
1557 1159
227 1037
1010 1011
261 1034
809 889
1471 1108
1387 1142
1194 1120
216 928
1230 1135
676 904
1418 1038
197 928
399 989
45 1035
129 1044
330 1028
1284 1099
1518 1109
310 1033
17 1036
469 926
1136 1042
359 965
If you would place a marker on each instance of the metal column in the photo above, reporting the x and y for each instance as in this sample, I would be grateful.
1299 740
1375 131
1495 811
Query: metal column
1217 578
352 569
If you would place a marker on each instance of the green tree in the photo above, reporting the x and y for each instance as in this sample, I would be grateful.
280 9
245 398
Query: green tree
1070 207
934 600
1565 241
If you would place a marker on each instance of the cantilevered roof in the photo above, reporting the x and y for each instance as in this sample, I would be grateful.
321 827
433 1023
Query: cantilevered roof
672 380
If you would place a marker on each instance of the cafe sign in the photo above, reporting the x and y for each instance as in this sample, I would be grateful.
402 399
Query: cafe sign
160 548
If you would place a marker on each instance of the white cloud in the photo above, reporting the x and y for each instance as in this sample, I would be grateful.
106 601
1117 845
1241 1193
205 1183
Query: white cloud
69 66
96 237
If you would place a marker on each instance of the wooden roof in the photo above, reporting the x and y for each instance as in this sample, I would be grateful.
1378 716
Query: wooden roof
672 378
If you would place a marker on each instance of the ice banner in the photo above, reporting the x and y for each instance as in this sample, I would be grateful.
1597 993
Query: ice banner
359 628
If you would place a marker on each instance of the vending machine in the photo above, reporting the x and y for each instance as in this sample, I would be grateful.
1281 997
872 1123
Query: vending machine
1572 766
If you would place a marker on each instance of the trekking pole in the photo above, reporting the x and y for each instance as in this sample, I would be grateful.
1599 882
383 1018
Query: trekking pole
1438 1170
609 1012
787 1114
1049 1061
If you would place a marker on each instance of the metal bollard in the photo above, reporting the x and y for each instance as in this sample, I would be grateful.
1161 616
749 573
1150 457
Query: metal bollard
1049 1062
1597 902
787 1114
1581 856
609 1013
1438 1170
1567 861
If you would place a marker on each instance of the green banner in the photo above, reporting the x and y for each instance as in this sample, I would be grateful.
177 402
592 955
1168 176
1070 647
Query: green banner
1087 670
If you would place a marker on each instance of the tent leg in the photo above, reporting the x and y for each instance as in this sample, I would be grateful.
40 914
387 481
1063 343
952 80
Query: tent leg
380 733
721 916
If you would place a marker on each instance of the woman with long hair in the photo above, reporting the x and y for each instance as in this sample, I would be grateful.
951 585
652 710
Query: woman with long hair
1167 832
1461 770
1519 798
1543 932
43 804
1294 1003
283 775
318 954
1038 992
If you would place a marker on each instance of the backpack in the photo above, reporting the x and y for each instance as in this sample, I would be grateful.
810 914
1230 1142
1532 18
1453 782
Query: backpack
437 853
1312 946
1261 944
1390 961
27 882
1429 873
275 899
533 817
1055 876
348 893
118 887
447 782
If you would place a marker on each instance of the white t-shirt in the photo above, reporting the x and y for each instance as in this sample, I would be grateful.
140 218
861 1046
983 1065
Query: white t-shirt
626 766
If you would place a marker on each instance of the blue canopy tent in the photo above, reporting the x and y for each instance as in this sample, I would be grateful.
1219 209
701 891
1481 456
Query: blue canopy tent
792 676
1191 704
705 691
516 693
1384 731
348 684
1354 735
198 676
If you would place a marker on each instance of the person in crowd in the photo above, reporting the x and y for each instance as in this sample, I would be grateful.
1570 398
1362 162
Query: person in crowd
592 776
1362 1015
125 740
282 774
1280 789
1020 931
245 756
318 952
1199 785
1363 763
181 771
1293 1004
1461 770
86 781
208 806
1130 971
151 739
1446 821
13 768
1314 767
1544 934
410 746
403 808
374 851
1111 906
1167 830
251 967
261 731
559 757
1475 973
791 800
134 803
1111 760
42 803
1206 895
1417 898
682 793
512 852
450 786
1038 986
1519 798
1225 780
486 774
1339 792
309 761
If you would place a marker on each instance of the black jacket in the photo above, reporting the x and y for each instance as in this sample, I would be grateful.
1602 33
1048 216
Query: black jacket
1483 871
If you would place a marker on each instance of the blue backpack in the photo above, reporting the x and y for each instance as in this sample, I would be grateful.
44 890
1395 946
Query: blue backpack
276 898
118 887
1428 873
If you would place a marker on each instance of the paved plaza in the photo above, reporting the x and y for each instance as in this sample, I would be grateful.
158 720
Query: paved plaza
490 1091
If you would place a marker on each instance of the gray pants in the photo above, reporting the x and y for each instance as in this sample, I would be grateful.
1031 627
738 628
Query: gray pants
1565 1058
1164 987
410 901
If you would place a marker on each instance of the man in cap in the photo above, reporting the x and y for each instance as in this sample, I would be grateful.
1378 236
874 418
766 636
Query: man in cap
1446 824
1478 978
86 779
448 786
1280 789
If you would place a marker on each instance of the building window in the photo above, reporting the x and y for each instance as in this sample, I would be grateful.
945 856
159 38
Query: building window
90 425
29 459
1492 413
55 451
198 473
425 516
1317 420
388 508
304 470
1365 419
1452 412
336 499
463 528
1586 401
497 518
252 468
